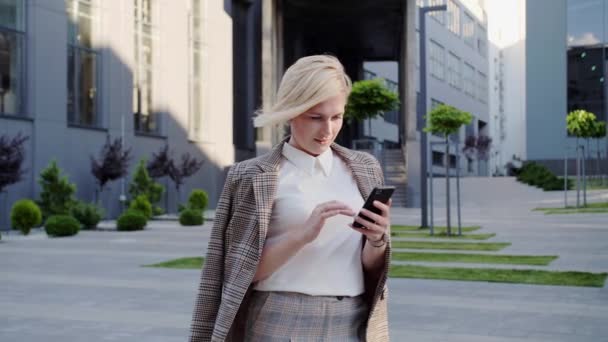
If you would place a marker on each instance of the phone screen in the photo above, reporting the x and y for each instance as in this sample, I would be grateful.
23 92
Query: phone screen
380 193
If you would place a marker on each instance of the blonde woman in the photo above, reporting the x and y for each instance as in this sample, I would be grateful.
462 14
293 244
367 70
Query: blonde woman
284 261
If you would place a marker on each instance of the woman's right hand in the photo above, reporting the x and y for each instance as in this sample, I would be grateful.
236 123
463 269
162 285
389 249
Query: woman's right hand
323 211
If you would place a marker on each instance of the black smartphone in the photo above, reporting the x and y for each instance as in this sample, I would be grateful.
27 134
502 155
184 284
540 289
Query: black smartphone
380 193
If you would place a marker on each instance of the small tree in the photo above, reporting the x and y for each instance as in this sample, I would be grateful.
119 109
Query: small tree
143 184
159 164
581 124
369 99
186 168
113 163
57 195
446 120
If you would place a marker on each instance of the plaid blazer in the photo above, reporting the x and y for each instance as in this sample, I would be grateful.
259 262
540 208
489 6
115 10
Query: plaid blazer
237 238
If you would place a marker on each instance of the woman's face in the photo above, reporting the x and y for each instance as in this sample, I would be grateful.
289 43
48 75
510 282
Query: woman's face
316 129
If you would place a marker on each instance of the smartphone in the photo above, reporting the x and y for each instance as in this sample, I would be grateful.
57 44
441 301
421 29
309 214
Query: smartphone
380 193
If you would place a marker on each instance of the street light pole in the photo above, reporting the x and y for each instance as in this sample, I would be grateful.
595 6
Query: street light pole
421 120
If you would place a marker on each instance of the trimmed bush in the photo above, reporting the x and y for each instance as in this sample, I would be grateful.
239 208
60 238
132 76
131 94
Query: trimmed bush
61 225
25 215
131 220
87 214
141 204
157 211
191 217
538 175
198 199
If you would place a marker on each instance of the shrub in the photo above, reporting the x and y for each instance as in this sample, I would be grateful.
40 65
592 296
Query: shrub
141 204
142 184
532 173
191 217
156 211
61 225
198 199
25 214
87 214
57 195
131 220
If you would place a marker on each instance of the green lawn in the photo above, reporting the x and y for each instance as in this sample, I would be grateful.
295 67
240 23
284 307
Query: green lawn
460 246
542 260
592 184
441 234
437 229
537 277
601 207
182 263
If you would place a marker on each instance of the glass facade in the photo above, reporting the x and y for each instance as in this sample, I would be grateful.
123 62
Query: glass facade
12 61
82 103
145 119
587 56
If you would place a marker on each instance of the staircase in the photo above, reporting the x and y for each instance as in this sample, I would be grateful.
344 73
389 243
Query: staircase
395 175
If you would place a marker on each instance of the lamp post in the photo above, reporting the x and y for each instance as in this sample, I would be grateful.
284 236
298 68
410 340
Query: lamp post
422 11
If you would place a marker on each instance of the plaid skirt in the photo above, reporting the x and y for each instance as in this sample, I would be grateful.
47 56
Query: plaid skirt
289 316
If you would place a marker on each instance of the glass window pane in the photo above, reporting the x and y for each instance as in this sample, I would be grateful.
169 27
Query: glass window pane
585 22
11 74
468 29
11 14
88 89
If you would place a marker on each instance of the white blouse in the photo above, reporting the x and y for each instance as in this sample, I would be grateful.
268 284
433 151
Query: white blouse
331 264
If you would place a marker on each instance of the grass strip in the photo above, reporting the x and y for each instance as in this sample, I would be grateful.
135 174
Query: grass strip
407 234
540 260
536 277
459 246
436 230
601 207
182 263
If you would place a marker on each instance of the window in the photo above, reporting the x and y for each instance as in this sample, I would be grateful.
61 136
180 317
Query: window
12 62
454 74
468 73
482 41
438 15
468 30
482 87
437 158
587 56
453 17
82 61
145 119
437 60
392 116
196 66
452 161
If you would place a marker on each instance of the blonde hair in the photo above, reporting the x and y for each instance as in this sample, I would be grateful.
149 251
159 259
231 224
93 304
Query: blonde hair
308 82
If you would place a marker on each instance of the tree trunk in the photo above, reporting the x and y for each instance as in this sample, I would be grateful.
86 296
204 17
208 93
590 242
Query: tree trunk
447 185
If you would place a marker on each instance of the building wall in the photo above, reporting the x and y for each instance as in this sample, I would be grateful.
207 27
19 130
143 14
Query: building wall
507 34
51 137
546 82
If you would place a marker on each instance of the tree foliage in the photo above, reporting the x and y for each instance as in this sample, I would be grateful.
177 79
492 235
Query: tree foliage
57 195
143 184
478 146
186 168
581 123
599 130
12 155
446 120
113 162
158 166
369 99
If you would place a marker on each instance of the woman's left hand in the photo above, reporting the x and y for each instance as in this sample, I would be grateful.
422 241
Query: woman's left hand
375 230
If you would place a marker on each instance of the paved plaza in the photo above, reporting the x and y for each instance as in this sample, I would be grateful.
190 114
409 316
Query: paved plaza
91 287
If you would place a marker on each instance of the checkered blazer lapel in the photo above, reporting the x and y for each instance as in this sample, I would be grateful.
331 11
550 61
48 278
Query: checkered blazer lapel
264 189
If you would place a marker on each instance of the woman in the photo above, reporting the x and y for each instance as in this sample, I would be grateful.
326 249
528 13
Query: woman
284 261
